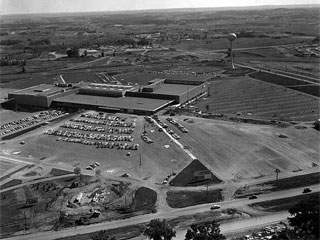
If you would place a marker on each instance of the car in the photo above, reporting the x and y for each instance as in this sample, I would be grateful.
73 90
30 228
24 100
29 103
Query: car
215 207
307 190
253 197
89 168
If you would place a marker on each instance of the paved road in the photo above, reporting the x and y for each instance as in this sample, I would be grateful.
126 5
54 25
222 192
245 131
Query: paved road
36 181
243 224
173 213
176 141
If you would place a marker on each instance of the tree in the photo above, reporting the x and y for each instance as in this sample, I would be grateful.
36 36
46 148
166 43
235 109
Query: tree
77 170
159 230
207 107
102 235
305 220
277 173
98 173
209 230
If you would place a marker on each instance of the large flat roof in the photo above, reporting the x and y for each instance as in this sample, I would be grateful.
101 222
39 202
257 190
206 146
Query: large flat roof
174 89
145 104
42 89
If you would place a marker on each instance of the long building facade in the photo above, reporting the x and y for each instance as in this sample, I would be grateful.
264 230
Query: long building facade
158 94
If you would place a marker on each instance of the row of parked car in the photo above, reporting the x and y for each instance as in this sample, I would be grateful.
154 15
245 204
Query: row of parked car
102 116
268 232
91 136
148 119
165 126
145 138
173 134
92 166
174 122
29 121
85 127
109 123
116 145
162 124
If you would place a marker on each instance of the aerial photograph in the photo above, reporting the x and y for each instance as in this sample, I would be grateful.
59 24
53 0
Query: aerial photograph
159 120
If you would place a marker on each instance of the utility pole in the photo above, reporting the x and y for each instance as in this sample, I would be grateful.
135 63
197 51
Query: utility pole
277 173
25 221
140 161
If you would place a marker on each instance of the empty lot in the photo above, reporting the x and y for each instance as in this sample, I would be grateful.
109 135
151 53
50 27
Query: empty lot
237 150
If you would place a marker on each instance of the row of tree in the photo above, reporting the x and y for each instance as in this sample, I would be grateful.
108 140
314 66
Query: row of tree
158 229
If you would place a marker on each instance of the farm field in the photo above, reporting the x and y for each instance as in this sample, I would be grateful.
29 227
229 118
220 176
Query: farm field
236 151
248 96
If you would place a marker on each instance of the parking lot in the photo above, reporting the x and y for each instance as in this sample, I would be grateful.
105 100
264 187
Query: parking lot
97 129
33 120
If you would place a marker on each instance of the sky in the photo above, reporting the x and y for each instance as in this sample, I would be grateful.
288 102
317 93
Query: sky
52 6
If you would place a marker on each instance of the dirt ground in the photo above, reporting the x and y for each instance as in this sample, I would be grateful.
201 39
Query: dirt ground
235 151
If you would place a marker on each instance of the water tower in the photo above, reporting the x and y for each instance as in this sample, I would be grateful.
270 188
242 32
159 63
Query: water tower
231 37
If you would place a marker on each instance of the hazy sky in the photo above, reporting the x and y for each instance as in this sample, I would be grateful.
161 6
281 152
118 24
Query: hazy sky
44 6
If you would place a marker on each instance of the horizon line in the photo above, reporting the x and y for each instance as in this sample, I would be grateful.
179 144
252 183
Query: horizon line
166 9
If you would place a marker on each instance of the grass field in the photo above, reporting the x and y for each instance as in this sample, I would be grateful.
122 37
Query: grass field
281 184
309 89
237 150
282 204
275 79
181 199
251 97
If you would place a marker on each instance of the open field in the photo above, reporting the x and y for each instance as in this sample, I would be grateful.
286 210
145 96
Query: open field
6 166
282 204
278 185
180 199
251 97
237 151
279 80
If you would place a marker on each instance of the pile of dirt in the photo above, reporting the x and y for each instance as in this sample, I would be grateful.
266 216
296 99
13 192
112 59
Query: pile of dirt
187 177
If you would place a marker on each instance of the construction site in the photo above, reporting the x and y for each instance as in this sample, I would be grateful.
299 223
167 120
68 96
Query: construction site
123 134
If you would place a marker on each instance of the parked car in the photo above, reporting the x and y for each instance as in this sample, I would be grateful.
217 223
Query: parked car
307 190
252 197
215 207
